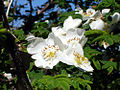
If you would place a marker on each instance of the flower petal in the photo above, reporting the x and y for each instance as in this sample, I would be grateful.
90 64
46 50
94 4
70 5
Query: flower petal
71 23
98 24
86 67
105 11
36 45
115 17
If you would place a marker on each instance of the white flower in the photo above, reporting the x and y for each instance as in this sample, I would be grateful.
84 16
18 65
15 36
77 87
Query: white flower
98 24
105 44
71 23
8 76
88 14
46 53
75 56
97 15
47 21
6 3
105 11
115 17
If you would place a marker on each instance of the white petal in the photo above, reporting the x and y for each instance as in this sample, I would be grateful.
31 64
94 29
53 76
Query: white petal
61 42
8 75
105 44
115 17
98 24
50 39
75 33
71 23
88 21
97 15
39 64
30 38
86 67
83 41
105 11
36 45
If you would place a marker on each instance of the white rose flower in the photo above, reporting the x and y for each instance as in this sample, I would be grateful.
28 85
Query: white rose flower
75 56
46 53
8 76
105 44
88 14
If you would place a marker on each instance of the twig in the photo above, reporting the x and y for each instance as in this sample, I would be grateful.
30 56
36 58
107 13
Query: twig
8 9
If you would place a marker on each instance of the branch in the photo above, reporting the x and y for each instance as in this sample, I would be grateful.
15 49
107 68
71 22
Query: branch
8 9
31 19
16 56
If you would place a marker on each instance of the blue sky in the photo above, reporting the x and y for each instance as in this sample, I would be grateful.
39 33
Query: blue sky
35 3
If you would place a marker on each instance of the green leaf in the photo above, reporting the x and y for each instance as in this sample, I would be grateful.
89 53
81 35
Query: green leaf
105 37
108 64
64 85
91 52
110 69
88 87
116 38
97 64
20 34
94 32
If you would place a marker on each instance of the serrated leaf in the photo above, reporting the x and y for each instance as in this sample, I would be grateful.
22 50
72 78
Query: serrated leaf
91 52
65 79
110 69
88 87
108 64
97 64
105 37
94 32
64 85
116 38
61 76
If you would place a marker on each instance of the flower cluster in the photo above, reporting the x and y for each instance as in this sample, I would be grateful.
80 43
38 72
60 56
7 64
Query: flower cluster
96 20
64 44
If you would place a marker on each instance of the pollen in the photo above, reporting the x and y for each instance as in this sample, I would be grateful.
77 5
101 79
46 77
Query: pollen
79 59
75 39
49 52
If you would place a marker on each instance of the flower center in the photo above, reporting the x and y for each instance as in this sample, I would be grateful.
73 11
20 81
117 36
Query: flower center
49 52
79 59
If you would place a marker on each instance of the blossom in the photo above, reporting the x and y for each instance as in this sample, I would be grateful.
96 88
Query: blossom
75 56
86 15
8 76
46 53
98 24
105 44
